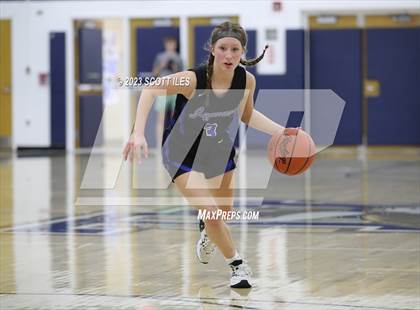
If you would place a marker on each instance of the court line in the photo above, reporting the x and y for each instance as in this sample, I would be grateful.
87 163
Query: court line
392 228
392 269
169 211
259 223
320 304
74 218
251 202
199 300
382 167
52 221
157 298
338 204
359 228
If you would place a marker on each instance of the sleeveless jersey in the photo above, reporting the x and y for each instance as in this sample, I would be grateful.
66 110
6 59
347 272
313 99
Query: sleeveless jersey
206 114
203 129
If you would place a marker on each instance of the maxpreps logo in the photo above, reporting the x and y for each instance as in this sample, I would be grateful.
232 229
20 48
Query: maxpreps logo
206 215
321 109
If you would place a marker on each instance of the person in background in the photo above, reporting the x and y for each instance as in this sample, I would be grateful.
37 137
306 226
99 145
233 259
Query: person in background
167 62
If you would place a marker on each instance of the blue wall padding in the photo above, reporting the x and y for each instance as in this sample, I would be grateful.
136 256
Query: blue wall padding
394 60
335 63
90 119
90 56
58 89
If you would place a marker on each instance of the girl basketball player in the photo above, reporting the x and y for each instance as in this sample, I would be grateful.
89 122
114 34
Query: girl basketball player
197 147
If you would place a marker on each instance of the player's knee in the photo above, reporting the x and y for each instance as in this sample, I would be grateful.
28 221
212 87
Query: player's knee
213 222
212 216
227 208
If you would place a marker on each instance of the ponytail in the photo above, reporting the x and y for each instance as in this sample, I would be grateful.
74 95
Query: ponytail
209 70
254 61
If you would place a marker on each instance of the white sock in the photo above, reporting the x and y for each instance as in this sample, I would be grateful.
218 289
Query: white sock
232 259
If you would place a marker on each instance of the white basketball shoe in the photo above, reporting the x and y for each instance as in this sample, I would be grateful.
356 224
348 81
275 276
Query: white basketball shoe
241 274
205 248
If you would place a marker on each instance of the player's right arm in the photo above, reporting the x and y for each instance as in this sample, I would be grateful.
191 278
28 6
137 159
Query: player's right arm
179 83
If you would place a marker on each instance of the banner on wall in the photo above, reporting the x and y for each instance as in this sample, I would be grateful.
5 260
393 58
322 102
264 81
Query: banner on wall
274 61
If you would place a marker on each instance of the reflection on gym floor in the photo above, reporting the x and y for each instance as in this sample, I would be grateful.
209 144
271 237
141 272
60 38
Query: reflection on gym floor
344 236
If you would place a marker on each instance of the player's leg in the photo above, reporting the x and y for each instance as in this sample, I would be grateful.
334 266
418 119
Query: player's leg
221 188
201 198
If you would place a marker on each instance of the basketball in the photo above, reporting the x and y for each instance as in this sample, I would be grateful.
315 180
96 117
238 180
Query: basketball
292 151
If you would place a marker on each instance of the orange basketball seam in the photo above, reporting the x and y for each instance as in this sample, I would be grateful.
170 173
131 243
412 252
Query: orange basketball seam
307 157
275 150
293 149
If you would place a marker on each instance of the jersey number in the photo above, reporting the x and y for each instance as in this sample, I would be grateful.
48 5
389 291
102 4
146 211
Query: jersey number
211 129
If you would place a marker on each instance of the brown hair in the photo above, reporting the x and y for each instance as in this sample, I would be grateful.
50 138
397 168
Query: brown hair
228 29
170 38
